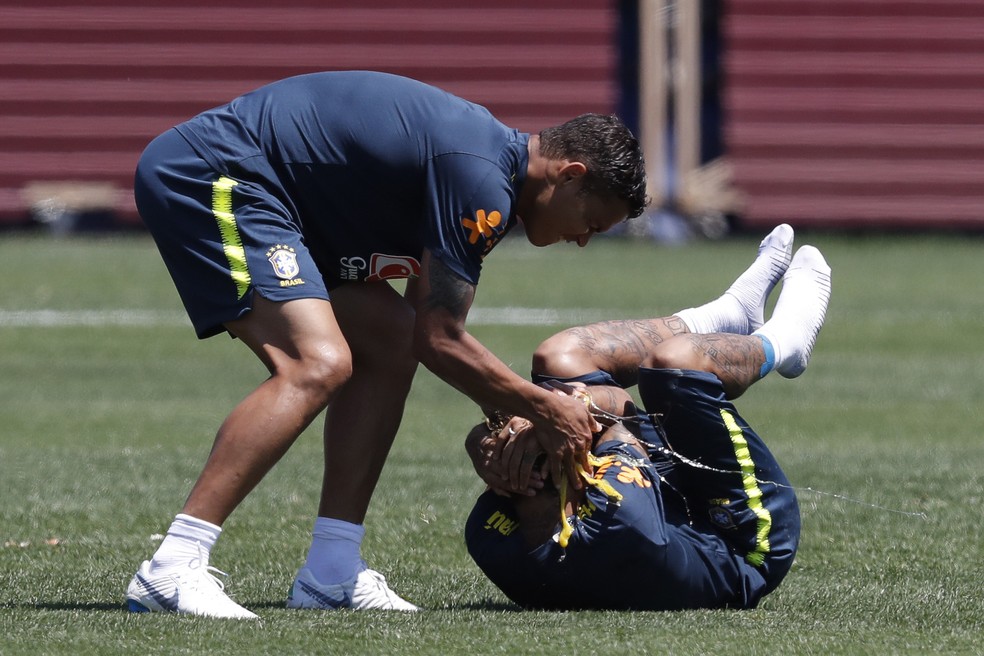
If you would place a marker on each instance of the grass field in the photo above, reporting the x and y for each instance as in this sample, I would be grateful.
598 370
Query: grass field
108 405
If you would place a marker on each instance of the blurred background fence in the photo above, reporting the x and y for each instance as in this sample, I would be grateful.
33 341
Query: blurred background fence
832 113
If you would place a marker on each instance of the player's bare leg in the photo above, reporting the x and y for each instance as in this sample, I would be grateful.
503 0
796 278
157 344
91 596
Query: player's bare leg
619 347
369 409
362 422
302 346
735 359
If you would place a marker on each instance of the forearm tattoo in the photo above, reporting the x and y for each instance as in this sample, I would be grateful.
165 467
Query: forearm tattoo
448 291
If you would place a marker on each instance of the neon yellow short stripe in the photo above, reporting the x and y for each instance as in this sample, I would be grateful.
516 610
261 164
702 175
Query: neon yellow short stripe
232 243
752 490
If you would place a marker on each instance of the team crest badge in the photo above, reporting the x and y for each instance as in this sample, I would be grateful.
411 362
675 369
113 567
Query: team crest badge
721 517
284 261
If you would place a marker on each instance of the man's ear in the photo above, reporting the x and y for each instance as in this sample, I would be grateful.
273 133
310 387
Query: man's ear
571 171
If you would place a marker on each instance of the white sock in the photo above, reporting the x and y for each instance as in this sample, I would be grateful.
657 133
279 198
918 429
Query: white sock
188 539
741 309
335 555
799 313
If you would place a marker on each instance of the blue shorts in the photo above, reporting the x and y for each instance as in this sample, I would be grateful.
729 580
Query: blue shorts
222 237
720 535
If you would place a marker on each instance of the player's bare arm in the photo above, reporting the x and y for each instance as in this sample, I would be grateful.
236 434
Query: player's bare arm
447 291
444 346
735 359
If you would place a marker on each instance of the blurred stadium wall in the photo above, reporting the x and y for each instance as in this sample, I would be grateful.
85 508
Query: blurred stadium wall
86 84
855 113
823 113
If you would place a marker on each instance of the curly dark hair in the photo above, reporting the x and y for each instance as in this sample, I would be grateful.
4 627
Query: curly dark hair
610 152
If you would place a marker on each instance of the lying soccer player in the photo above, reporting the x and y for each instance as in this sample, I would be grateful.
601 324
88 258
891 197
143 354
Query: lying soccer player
685 506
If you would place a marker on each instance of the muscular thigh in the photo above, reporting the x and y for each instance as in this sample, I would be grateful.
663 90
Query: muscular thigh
376 320
298 332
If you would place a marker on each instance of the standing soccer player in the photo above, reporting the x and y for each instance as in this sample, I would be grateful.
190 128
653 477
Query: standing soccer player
282 215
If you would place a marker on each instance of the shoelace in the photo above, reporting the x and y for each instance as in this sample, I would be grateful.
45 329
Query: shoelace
216 581
377 582
206 573
380 584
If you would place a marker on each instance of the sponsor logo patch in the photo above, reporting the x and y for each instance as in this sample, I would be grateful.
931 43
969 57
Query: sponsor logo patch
388 267
351 267
487 226
501 523
482 225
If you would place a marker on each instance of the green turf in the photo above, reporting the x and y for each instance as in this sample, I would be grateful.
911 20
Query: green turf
104 428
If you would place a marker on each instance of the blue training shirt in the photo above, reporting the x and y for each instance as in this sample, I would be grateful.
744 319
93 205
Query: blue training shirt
372 169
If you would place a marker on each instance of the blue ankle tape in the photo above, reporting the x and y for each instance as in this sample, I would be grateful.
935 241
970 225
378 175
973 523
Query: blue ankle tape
770 356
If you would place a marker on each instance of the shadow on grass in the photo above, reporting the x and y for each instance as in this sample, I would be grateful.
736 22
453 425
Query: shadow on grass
487 605
62 606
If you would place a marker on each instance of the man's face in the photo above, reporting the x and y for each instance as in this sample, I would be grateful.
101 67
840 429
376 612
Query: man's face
571 216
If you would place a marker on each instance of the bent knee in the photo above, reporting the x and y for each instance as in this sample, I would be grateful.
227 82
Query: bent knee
319 371
561 355
674 353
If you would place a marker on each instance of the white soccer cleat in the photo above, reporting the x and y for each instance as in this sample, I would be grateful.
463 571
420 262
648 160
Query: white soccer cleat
193 590
366 591
371 591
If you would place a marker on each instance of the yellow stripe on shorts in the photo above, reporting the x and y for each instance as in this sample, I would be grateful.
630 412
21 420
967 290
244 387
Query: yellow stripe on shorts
232 243
752 490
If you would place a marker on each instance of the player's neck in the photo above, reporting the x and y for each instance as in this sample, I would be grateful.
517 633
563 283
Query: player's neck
535 182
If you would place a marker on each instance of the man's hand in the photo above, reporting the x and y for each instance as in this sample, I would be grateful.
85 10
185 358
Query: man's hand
565 435
520 458
510 461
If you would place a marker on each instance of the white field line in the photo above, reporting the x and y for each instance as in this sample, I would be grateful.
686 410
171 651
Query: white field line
478 316
78 318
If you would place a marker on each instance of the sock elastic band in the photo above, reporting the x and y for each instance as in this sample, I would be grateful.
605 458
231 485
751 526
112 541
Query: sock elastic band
770 356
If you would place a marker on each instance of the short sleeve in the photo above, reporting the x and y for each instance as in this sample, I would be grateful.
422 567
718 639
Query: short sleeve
469 209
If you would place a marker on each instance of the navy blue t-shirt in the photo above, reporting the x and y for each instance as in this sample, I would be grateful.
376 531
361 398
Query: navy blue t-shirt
373 169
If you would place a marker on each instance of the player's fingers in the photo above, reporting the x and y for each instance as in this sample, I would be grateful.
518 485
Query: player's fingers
496 452
512 461
505 435
524 477
525 473
507 455
501 491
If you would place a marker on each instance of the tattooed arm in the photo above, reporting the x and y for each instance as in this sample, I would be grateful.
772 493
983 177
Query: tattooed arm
441 343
